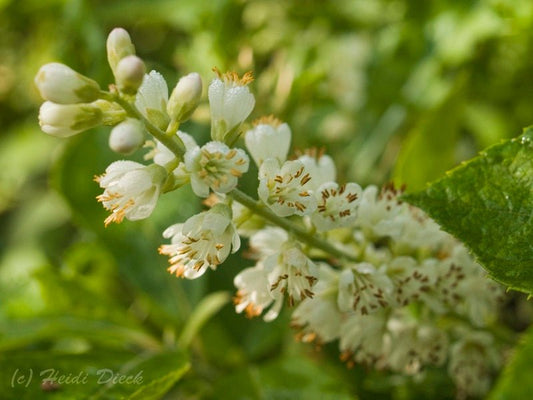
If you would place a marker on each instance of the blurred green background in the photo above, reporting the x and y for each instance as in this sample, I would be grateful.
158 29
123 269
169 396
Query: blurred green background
397 90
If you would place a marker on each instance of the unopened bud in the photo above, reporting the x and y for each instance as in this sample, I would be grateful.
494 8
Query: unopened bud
129 74
127 136
61 84
185 97
118 45
63 120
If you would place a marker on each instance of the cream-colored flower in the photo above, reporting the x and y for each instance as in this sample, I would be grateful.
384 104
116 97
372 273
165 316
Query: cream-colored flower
363 289
318 319
62 85
203 241
362 339
215 166
473 360
64 120
414 344
152 98
231 102
320 166
285 189
291 273
254 293
127 136
119 46
185 97
131 190
337 205
164 157
270 138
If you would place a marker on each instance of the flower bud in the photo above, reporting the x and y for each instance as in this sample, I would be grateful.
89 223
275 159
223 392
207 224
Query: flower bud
118 45
185 97
63 120
58 83
127 136
231 102
129 74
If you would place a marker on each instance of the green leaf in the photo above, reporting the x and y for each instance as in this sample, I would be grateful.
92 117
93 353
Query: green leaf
101 374
430 147
515 381
17 334
159 387
488 204
290 377
209 306
133 244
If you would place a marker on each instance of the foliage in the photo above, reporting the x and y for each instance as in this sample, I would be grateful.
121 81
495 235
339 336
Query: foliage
487 203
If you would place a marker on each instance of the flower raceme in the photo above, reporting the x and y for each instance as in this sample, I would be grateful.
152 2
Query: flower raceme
356 266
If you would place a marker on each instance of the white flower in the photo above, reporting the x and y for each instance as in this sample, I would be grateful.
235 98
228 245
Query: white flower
268 241
286 190
377 212
129 74
152 98
410 280
231 102
64 120
363 289
336 205
414 345
472 361
164 157
291 273
203 241
185 97
131 190
215 166
254 293
318 319
320 166
61 84
418 232
268 139
127 136
118 46
479 295
362 339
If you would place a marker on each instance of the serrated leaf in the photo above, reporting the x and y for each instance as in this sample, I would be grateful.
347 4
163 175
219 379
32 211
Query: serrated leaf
159 387
488 204
515 381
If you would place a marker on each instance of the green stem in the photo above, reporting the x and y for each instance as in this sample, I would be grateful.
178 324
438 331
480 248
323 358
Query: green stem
174 143
313 241
176 146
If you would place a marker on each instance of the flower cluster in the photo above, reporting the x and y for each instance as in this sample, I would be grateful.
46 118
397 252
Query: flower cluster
357 266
